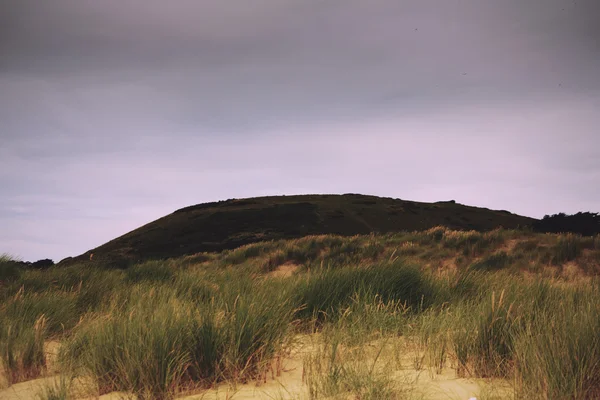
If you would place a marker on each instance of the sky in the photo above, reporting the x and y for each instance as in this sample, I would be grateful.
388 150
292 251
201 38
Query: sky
114 113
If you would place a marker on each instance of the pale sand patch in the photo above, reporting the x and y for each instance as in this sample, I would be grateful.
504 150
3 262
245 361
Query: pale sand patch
289 384
51 348
284 271
28 389
510 245
80 388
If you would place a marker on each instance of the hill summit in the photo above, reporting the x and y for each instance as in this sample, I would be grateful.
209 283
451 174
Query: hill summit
228 224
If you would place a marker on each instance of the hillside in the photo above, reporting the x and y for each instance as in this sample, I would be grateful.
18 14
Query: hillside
229 224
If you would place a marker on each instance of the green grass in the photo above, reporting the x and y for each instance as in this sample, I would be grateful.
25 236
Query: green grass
9 269
493 262
557 354
568 248
59 390
164 328
153 271
323 293
22 348
158 342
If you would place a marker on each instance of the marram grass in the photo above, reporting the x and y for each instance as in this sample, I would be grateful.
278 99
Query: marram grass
163 328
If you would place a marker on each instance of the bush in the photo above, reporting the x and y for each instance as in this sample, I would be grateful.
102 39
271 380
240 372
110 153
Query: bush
42 264
583 223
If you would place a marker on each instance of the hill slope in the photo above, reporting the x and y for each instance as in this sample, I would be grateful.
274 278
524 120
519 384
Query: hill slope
228 224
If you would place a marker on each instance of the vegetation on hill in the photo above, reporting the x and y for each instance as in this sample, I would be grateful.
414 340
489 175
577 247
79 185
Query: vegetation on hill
230 224
516 307
583 223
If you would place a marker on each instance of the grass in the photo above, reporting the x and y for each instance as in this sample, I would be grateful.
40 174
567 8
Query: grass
336 371
9 269
160 342
496 261
22 349
59 390
568 248
355 355
325 292
164 328
558 353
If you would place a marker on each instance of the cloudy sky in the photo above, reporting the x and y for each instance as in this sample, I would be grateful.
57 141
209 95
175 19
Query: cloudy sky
116 112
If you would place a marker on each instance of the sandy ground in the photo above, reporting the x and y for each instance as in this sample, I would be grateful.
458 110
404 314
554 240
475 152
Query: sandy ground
287 386
283 271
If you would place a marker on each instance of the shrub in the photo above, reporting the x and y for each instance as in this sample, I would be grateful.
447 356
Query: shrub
42 264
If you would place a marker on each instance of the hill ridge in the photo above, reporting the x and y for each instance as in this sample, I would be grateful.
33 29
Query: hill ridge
227 224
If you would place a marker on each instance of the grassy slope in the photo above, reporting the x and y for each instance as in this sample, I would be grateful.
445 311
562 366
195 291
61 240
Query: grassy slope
232 223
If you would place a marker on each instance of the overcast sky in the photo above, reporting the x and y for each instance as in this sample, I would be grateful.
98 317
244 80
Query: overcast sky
116 112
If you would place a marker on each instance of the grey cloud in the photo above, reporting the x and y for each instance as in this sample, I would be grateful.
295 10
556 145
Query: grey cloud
114 113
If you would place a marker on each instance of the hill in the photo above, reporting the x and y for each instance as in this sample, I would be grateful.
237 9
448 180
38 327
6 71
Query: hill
232 223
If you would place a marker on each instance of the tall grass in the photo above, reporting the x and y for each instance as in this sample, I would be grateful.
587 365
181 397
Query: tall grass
57 308
356 354
141 353
325 292
557 355
568 248
9 269
161 328
22 349
496 261
472 243
153 271
158 344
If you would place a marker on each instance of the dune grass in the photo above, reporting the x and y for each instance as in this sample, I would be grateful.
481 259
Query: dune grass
164 328
9 269
22 348
157 341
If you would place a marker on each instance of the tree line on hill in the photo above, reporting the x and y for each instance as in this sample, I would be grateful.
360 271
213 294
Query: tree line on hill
582 223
